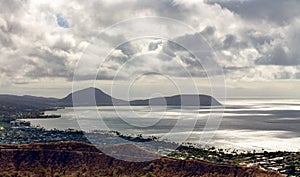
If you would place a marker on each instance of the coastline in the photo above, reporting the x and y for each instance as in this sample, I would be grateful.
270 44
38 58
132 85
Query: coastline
283 162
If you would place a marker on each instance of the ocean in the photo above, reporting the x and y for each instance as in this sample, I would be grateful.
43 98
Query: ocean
246 124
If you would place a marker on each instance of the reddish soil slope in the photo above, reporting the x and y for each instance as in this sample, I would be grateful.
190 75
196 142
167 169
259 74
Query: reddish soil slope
79 159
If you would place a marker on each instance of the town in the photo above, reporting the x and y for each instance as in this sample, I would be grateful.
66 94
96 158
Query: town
16 131
287 163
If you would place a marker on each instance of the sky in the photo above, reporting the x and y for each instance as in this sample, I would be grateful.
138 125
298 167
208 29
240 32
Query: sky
246 48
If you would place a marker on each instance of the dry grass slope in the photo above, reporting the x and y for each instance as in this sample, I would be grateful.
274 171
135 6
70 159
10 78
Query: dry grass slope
79 159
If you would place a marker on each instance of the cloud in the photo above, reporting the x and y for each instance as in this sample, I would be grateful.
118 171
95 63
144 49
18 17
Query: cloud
275 11
154 45
45 39
143 59
283 50
32 45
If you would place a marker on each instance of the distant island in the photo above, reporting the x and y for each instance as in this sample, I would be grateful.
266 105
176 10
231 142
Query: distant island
90 96
93 96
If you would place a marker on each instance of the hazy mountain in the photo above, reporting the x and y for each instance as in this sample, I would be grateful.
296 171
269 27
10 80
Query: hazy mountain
26 103
89 97
179 100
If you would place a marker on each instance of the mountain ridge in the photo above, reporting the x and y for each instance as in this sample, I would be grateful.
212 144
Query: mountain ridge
93 96
88 97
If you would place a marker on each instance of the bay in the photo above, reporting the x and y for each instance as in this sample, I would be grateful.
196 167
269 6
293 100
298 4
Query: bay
246 124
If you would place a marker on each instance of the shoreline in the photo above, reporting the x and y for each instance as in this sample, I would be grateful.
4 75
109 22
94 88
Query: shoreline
280 161
229 146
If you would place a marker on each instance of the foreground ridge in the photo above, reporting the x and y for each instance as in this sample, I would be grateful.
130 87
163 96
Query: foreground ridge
80 159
